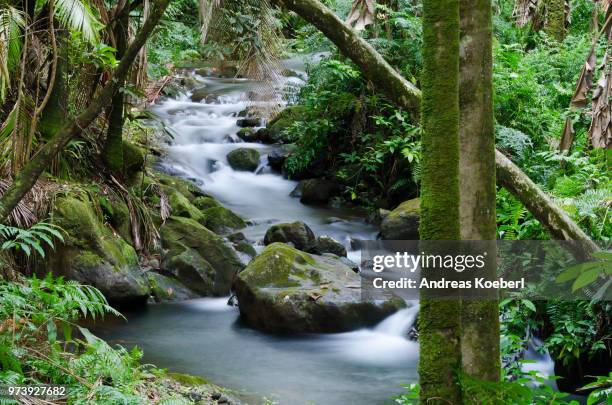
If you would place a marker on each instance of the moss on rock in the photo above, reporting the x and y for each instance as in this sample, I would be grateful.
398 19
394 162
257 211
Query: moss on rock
287 290
222 220
180 234
276 127
92 254
204 203
403 222
182 207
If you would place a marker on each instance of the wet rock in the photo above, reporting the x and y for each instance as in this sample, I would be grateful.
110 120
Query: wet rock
92 254
248 122
204 203
200 94
133 158
327 244
247 135
245 159
263 136
297 233
166 288
278 128
182 207
403 222
198 250
284 290
190 82
277 157
317 191
297 191
221 220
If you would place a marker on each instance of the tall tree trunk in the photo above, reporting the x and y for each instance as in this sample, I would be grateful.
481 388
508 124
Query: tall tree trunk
480 356
113 146
54 113
405 95
439 320
554 25
30 173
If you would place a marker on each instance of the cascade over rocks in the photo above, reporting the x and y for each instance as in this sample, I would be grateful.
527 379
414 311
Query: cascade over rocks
284 290
403 222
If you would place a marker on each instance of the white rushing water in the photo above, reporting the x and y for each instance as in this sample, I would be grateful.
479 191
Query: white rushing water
205 336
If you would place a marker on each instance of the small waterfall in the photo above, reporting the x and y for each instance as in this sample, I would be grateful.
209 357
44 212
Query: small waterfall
399 324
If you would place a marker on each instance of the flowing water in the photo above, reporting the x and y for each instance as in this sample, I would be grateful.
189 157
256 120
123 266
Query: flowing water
205 336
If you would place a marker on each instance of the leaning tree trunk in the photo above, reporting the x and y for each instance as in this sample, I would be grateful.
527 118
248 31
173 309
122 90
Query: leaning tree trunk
113 146
440 320
407 96
30 173
480 356
539 204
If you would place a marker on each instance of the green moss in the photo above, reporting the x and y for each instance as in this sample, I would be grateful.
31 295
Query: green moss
278 266
180 206
203 203
221 220
133 158
187 379
284 120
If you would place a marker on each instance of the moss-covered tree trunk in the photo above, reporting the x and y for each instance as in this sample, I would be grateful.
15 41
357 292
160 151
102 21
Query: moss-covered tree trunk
113 146
480 355
30 173
439 320
554 23
54 114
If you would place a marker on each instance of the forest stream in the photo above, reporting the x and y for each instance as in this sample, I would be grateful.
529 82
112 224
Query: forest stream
205 336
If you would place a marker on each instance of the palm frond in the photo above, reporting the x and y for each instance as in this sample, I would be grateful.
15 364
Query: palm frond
78 16
12 21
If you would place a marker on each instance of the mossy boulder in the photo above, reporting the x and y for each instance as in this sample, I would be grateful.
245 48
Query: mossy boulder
327 244
403 222
284 290
93 254
165 288
245 159
247 134
204 203
278 156
296 233
182 207
317 191
191 269
191 244
133 158
277 128
168 183
221 220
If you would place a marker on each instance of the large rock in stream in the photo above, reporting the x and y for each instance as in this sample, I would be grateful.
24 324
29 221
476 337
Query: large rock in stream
403 222
284 290
296 233
245 159
198 257
92 254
